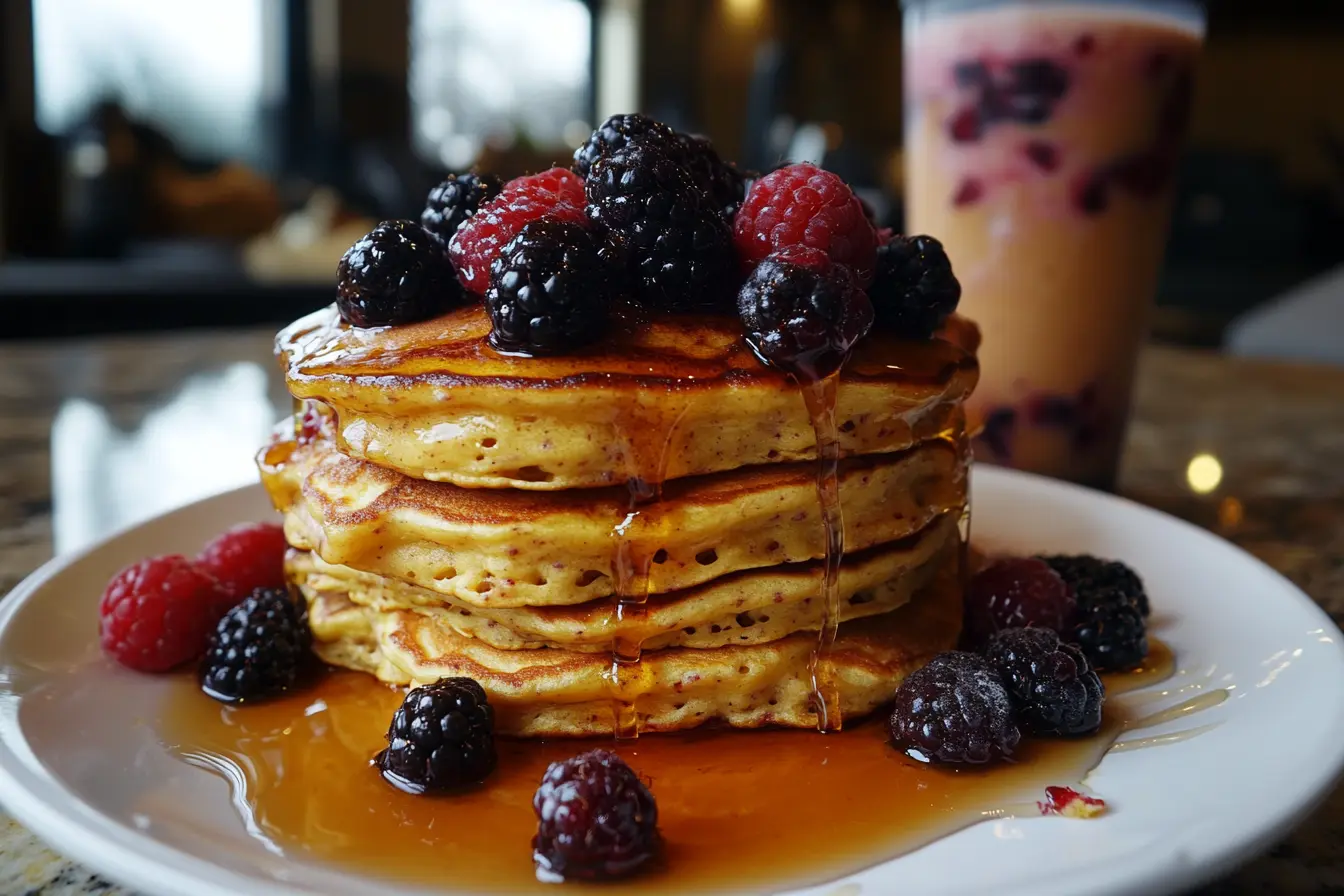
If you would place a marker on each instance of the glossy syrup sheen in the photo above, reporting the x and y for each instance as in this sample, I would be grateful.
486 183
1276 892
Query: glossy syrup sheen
753 810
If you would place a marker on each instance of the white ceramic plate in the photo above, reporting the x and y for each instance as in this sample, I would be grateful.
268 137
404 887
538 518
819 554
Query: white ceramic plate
80 766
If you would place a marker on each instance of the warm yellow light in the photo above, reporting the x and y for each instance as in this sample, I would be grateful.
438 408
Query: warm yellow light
1204 473
744 11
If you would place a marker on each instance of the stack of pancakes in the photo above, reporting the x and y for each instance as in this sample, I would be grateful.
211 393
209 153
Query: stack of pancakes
454 511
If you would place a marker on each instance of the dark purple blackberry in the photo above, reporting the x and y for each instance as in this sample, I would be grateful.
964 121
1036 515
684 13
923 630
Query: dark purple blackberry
802 313
720 181
595 819
442 737
679 249
914 289
1110 629
1051 683
549 290
455 200
615 133
954 711
258 649
395 274
1085 573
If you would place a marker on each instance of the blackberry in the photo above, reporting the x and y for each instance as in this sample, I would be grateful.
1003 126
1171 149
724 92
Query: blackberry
802 313
1110 629
258 648
721 182
618 131
679 249
395 274
1085 573
1015 592
455 200
442 737
549 290
914 289
595 819
954 711
1053 687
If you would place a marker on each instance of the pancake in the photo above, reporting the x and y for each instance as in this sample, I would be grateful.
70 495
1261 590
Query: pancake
505 548
664 399
546 692
742 608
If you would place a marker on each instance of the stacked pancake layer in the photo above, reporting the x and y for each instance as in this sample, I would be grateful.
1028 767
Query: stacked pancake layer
456 512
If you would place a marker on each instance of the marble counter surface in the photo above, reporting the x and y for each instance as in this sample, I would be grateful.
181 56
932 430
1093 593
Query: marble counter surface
97 434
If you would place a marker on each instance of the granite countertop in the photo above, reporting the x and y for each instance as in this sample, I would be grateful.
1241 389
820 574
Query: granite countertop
98 433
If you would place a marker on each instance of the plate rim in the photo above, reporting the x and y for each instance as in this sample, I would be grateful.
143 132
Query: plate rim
76 831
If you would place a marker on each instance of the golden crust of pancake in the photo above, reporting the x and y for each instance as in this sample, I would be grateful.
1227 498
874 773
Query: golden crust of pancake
547 692
675 397
742 608
507 548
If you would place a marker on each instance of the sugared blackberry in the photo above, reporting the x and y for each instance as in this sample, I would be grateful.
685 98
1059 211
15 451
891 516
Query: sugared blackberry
442 737
955 711
595 819
258 649
549 290
455 200
1051 683
802 313
1110 629
1085 573
914 289
1015 592
395 274
615 133
721 182
679 249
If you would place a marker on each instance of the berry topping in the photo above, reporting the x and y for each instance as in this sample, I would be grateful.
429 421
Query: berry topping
455 200
1110 629
956 711
246 558
158 613
969 192
442 738
1070 803
549 291
395 274
721 182
1016 592
557 194
616 132
1052 686
1032 89
1043 154
595 819
914 289
965 126
258 648
802 205
1086 574
678 248
803 313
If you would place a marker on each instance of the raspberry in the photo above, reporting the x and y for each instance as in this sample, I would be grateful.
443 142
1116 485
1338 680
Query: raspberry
615 133
1110 629
802 205
1052 686
557 194
1086 573
802 313
395 274
258 648
1013 593
679 250
442 738
455 200
914 289
595 819
549 291
246 558
721 182
158 613
1070 803
954 711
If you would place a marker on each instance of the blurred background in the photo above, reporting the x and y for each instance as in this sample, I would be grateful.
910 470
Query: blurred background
188 163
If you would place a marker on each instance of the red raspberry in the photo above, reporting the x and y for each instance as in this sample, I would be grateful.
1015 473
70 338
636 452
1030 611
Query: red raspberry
804 205
557 194
1017 592
159 613
246 558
